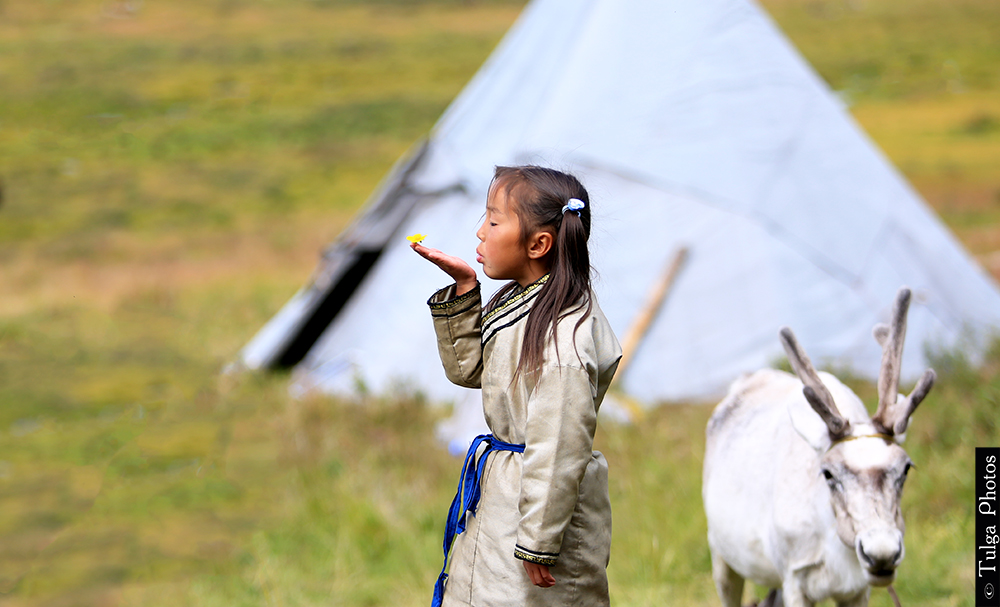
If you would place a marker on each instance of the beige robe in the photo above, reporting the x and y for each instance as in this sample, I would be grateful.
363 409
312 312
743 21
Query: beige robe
549 505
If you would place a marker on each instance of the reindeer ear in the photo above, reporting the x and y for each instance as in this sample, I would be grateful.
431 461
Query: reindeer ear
809 425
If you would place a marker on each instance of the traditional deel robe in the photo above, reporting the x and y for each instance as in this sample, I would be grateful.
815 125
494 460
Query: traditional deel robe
550 504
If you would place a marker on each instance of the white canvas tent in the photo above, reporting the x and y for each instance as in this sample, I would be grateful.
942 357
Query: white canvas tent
691 123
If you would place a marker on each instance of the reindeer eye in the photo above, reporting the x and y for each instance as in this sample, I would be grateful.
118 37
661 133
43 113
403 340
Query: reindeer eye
901 480
830 480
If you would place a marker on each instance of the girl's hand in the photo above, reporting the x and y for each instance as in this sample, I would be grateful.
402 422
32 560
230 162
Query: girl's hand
539 575
464 275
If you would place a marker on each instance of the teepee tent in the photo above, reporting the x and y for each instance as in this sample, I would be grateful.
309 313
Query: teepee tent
692 124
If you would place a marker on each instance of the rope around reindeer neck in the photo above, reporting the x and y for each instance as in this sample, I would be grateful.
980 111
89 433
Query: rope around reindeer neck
888 439
884 437
892 593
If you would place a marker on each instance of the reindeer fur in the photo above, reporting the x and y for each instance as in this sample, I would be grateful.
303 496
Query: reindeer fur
801 487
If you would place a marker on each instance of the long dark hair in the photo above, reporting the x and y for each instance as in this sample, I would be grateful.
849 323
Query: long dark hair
537 196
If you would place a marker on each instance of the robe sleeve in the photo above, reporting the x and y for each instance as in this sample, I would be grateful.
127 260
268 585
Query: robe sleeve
559 439
458 324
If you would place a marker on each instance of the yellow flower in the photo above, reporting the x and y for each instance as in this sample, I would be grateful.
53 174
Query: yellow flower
416 237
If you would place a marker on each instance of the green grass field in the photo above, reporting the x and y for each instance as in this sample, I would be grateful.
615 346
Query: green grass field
169 173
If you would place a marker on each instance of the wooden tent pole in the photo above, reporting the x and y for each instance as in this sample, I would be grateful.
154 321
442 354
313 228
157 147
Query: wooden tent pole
648 311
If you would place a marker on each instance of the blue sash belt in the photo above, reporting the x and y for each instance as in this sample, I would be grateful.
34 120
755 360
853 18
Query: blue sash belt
467 498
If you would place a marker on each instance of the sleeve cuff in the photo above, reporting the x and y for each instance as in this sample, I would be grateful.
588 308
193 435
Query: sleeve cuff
539 558
444 302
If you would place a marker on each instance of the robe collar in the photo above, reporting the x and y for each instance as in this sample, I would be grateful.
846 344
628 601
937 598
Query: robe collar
512 309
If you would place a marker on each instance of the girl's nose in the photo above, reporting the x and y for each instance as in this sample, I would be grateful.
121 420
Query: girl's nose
481 232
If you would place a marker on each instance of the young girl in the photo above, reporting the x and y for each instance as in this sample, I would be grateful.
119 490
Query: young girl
543 354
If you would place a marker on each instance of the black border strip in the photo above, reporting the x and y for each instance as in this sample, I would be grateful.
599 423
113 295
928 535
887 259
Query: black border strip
498 329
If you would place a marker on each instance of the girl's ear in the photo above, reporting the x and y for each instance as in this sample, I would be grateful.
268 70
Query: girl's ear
540 244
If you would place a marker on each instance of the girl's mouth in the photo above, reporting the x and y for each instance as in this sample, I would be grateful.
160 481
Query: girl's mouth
479 258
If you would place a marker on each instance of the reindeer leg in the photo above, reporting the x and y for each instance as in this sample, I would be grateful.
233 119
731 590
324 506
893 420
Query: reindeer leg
793 595
728 583
773 599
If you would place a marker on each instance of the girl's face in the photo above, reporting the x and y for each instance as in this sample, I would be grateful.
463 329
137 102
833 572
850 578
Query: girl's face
501 251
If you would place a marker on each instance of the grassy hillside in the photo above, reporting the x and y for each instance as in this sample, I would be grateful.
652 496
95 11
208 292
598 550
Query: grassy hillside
168 174
921 78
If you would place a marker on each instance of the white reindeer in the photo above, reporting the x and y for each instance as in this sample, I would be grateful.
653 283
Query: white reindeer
801 487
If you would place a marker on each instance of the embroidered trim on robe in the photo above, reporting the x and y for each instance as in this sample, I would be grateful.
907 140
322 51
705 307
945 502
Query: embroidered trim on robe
539 558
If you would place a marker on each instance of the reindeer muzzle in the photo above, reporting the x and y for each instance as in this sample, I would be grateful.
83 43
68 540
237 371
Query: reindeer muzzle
880 552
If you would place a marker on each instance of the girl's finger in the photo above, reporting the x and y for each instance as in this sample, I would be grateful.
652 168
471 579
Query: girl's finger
424 251
531 572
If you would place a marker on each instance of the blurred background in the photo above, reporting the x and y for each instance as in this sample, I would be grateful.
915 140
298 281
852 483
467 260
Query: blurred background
169 173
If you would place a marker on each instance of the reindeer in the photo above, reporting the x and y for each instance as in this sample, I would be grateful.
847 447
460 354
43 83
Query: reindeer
801 488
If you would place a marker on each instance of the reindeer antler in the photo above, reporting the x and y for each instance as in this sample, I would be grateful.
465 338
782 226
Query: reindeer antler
892 360
890 418
912 401
816 393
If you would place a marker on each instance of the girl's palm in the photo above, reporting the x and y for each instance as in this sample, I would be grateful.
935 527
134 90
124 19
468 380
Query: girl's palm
464 275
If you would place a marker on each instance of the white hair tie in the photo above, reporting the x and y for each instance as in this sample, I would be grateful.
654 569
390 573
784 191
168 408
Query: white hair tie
574 204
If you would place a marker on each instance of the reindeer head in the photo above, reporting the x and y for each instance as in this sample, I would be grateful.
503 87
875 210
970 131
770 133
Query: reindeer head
860 459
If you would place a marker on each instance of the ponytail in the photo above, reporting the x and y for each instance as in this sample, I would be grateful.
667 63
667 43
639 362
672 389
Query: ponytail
542 199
